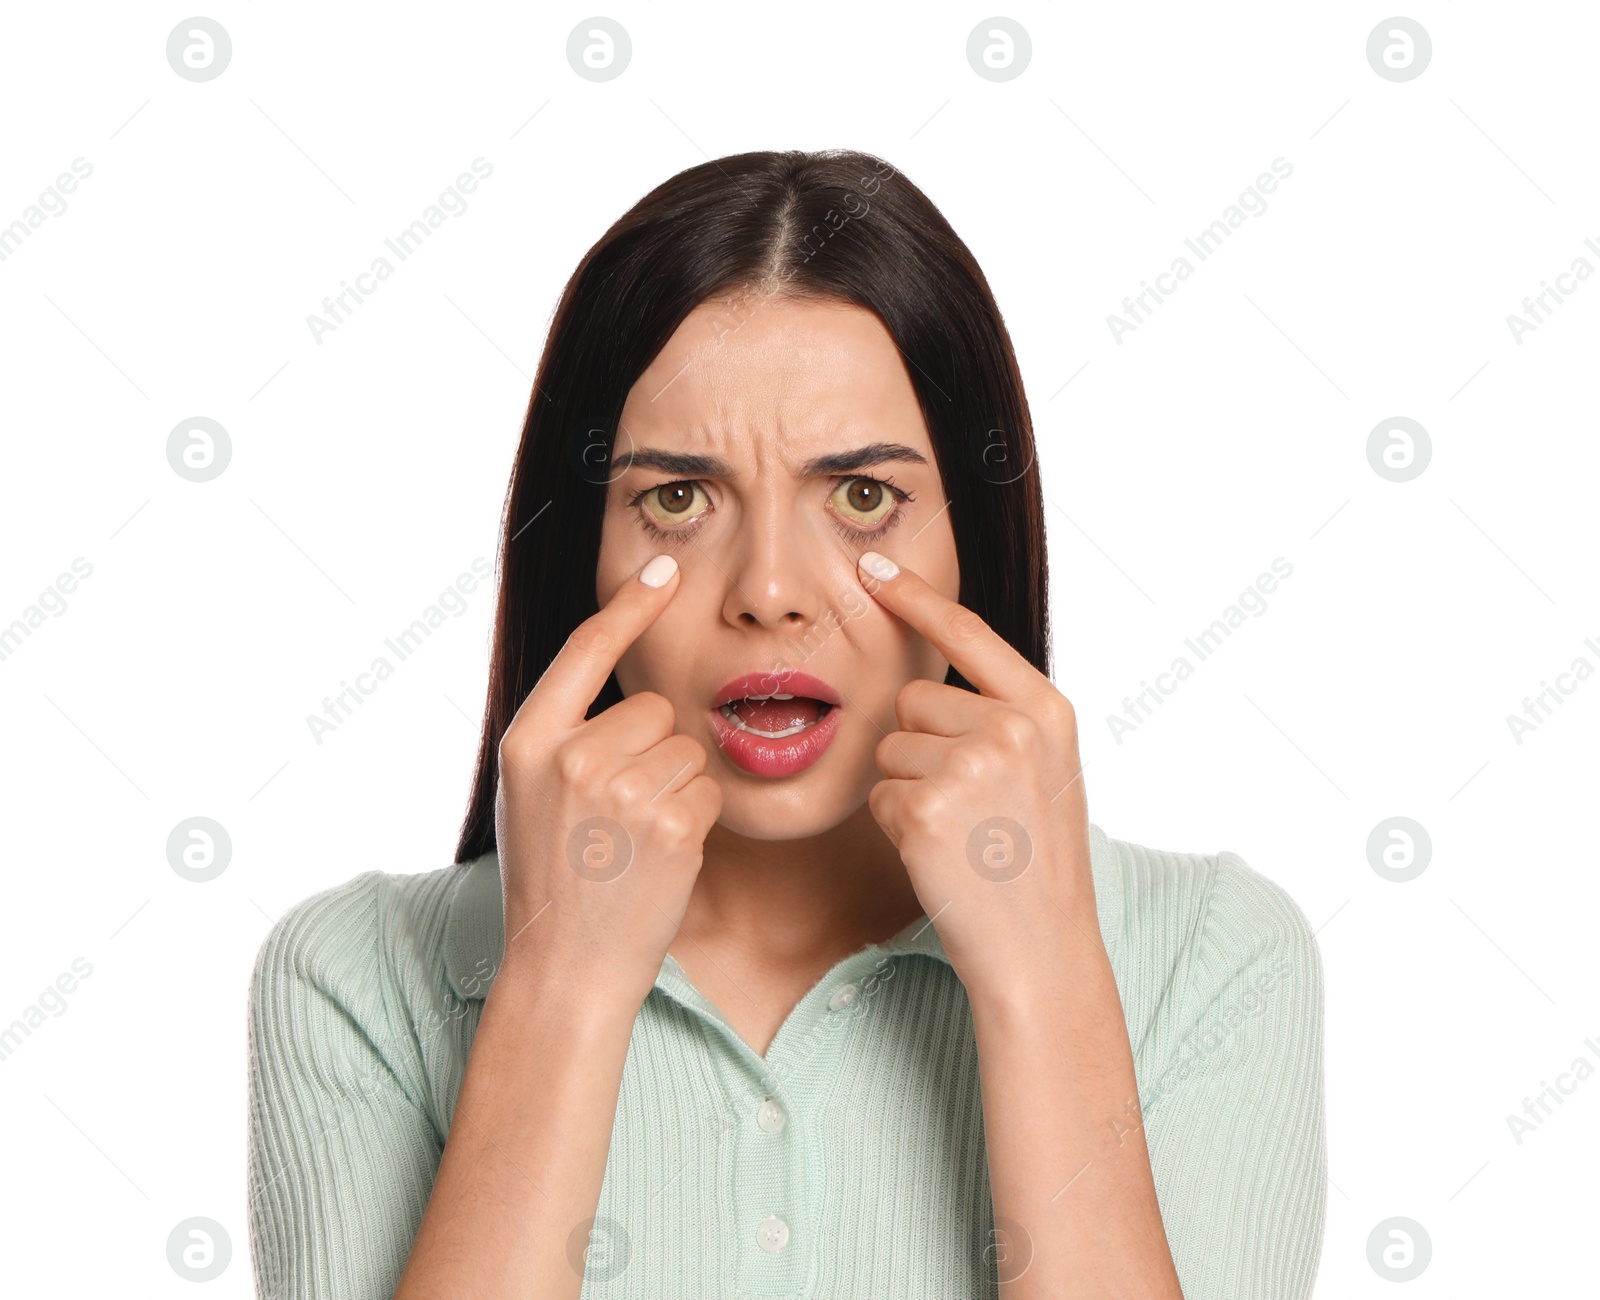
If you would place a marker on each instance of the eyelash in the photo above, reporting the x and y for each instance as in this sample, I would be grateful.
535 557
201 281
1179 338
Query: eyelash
671 536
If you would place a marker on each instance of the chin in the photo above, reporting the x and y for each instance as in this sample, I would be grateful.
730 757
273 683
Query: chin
796 810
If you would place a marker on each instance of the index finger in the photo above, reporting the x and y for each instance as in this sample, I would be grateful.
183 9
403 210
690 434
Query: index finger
979 653
579 670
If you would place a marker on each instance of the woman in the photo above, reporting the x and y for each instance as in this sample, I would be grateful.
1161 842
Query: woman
780 956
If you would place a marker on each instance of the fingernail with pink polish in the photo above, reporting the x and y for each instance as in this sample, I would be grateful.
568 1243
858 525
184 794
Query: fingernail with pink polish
656 573
880 567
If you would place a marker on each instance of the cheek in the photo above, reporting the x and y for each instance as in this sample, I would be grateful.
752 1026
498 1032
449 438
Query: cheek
640 667
942 570
662 658
891 653
895 653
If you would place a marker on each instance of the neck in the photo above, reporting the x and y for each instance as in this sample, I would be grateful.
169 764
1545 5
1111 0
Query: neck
792 901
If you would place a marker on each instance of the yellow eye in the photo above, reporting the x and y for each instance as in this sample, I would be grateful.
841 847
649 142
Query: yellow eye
673 504
863 501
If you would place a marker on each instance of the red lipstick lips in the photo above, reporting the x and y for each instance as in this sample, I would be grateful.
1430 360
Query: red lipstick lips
775 722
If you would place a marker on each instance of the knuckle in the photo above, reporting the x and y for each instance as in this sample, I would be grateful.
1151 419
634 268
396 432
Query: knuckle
1059 715
963 625
674 825
689 753
590 638
1017 732
906 697
576 763
923 813
630 788
514 746
972 763
654 706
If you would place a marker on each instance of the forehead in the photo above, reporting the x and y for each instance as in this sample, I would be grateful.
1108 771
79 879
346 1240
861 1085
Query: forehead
758 375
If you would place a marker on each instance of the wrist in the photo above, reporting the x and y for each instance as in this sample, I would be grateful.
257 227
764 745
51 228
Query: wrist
559 992
1073 976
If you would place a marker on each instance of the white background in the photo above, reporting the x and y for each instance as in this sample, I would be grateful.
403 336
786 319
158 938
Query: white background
1229 429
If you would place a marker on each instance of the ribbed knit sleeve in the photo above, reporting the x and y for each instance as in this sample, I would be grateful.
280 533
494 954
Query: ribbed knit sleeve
342 1151
1234 1125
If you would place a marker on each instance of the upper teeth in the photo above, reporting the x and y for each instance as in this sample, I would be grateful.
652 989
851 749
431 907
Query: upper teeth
731 713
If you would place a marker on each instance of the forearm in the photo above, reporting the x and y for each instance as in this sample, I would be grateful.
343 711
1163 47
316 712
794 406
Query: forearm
1068 1166
526 1153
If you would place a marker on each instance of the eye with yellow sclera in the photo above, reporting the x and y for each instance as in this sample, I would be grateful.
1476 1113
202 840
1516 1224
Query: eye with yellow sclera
665 510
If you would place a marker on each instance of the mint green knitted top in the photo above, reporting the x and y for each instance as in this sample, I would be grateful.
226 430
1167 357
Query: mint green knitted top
849 1161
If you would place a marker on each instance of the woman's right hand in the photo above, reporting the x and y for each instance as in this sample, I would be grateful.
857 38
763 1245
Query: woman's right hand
600 823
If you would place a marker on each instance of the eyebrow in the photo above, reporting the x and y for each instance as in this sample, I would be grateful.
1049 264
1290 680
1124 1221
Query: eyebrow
693 465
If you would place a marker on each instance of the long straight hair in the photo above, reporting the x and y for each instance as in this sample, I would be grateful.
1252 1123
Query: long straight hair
832 226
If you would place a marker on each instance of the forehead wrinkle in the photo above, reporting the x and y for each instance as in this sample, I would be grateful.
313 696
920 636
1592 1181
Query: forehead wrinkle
763 393
746 441
761 381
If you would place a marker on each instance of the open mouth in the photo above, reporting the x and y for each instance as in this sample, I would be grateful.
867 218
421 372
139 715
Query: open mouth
775 722
774 717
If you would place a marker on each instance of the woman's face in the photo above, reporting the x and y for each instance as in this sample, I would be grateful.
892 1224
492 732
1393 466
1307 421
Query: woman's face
759 450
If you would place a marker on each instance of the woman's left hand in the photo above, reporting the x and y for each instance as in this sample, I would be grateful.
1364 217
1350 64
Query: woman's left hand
983 796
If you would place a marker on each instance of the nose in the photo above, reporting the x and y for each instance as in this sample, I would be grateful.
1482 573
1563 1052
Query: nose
774 577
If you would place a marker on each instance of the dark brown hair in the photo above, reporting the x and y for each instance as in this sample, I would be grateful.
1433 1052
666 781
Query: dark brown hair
835 225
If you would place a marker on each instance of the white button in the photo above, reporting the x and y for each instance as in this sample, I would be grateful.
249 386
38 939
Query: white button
771 1116
842 997
773 1234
